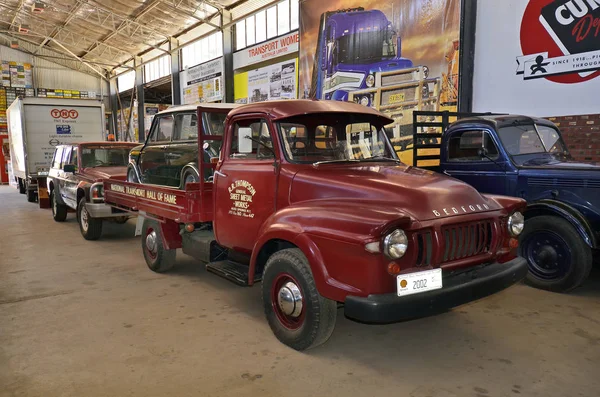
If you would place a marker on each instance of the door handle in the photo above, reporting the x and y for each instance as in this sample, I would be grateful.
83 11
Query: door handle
164 147
219 173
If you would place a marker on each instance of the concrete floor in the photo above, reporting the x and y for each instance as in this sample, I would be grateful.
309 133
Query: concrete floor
82 318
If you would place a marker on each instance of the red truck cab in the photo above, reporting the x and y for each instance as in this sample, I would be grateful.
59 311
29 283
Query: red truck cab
310 198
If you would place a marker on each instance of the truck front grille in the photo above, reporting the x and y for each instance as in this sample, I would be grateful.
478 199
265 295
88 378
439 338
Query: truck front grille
458 241
466 240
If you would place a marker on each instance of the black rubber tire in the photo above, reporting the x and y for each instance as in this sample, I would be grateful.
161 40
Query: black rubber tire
581 253
59 211
31 195
163 259
22 187
320 313
190 175
94 225
131 175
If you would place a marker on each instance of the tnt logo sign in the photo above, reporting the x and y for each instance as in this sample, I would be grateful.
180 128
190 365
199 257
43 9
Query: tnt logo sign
560 40
64 113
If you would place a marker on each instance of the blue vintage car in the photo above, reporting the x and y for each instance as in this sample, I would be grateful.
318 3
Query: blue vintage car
527 157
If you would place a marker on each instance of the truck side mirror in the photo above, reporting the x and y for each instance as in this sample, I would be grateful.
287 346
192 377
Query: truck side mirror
482 153
69 168
244 143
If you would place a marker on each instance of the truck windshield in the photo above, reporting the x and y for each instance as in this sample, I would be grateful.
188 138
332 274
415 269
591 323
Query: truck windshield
530 138
308 139
367 46
104 156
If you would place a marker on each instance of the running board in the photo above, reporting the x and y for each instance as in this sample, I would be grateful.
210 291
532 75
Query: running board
232 271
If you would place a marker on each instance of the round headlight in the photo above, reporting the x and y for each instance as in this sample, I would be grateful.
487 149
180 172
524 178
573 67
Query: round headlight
370 81
395 244
516 223
425 71
364 101
333 82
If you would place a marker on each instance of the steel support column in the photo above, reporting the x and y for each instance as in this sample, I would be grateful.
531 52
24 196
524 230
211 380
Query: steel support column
228 55
468 21
175 78
139 87
113 106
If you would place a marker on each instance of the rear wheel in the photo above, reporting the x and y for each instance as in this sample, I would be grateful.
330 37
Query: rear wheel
158 258
558 258
59 211
131 175
22 187
297 314
189 176
90 228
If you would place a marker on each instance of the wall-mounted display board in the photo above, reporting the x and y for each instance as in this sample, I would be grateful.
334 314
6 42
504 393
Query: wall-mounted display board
203 83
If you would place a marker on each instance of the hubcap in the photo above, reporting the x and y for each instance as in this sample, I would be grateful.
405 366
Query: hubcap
84 219
151 242
287 301
548 254
290 300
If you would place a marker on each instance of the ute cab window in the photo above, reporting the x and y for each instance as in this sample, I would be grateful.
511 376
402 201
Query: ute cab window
98 156
307 139
467 146
56 162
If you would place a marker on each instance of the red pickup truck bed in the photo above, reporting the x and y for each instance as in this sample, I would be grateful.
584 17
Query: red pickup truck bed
182 206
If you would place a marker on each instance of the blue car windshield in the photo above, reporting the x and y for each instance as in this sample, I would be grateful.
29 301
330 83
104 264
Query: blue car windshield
530 139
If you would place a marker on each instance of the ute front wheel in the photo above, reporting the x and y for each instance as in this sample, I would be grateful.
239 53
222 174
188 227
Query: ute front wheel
297 314
90 228
158 258
558 258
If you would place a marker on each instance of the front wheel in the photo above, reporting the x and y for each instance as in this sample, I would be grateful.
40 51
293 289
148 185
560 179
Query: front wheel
558 258
158 258
297 314
31 195
59 211
90 228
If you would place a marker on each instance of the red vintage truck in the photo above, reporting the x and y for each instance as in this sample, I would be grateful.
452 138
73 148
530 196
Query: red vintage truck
310 198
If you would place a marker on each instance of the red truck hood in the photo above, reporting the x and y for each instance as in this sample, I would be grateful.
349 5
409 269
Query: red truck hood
99 173
420 193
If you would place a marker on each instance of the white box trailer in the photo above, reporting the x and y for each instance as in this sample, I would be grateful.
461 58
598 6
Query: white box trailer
37 125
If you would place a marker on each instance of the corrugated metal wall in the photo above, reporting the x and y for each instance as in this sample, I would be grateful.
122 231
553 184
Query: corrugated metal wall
48 74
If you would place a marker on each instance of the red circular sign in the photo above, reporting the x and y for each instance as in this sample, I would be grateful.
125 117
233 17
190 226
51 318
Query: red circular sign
64 114
73 114
55 113
535 39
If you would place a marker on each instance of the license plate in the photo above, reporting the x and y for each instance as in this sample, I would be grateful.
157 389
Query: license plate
414 283
396 98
